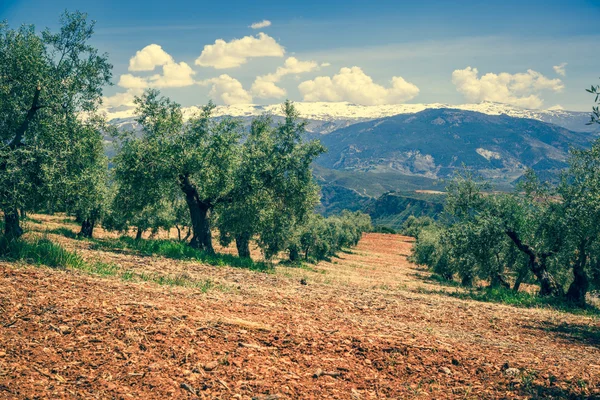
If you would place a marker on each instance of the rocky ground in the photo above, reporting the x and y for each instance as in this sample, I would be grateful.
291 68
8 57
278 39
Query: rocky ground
364 326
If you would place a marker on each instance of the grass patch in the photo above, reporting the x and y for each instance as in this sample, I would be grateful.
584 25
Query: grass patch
517 299
178 251
439 279
66 232
41 251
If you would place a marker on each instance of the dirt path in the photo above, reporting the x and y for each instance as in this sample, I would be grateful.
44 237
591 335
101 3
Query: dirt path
361 328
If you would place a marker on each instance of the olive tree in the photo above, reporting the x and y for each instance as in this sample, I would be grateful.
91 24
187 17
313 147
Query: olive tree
274 189
45 80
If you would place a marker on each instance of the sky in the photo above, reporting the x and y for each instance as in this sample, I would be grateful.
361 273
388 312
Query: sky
531 54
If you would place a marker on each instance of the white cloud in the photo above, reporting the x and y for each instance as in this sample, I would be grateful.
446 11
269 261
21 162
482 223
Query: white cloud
232 54
265 86
149 58
325 64
228 89
265 89
560 69
174 75
124 99
353 85
129 81
521 89
262 24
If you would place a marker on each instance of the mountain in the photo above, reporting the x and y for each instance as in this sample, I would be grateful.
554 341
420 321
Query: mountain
435 142
393 208
325 117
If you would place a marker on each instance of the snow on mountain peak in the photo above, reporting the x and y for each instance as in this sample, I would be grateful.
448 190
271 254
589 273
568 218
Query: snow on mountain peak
337 111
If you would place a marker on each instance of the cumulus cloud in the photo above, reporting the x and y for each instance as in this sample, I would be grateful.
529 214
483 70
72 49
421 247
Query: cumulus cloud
222 54
265 86
152 56
129 81
149 58
521 89
262 24
174 75
121 100
228 89
353 85
560 69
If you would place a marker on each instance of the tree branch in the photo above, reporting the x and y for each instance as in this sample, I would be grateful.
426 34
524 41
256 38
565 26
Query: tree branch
16 142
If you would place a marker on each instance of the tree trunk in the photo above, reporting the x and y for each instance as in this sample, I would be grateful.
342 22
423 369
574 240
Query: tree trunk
294 254
188 234
242 242
520 277
12 227
23 213
200 217
178 232
498 280
138 235
87 228
580 285
537 265
467 280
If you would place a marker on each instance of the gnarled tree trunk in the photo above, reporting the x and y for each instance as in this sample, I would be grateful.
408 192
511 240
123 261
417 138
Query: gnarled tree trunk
12 226
538 265
199 215
580 285
242 242
87 228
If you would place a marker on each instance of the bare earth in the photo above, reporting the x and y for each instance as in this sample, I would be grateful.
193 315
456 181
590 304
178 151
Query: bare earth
364 327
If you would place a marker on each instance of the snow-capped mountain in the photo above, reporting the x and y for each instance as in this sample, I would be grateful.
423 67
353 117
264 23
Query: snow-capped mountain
325 117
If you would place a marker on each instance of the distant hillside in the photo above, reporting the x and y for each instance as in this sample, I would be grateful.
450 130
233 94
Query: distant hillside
436 142
393 208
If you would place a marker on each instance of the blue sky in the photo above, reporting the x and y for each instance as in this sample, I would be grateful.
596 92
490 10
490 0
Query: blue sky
535 54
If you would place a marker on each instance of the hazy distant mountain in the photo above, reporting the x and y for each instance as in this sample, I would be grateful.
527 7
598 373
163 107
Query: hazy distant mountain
325 117
435 142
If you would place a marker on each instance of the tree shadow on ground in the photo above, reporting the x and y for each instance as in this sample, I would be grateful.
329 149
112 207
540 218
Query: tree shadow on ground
554 392
587 335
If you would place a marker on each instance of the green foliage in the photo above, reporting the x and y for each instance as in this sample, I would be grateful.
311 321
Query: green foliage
383 229
595 117
413 225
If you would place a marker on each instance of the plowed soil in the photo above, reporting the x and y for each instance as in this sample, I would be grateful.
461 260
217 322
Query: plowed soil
364 326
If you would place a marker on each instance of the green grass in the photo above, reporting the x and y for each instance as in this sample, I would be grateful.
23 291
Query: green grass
41 251
66 232
178 251
517 299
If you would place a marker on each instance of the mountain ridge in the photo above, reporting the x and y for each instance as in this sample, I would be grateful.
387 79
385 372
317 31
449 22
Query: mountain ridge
325 117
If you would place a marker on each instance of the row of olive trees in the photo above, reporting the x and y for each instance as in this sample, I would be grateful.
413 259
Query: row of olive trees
255 184
195 176
321 238
548 234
